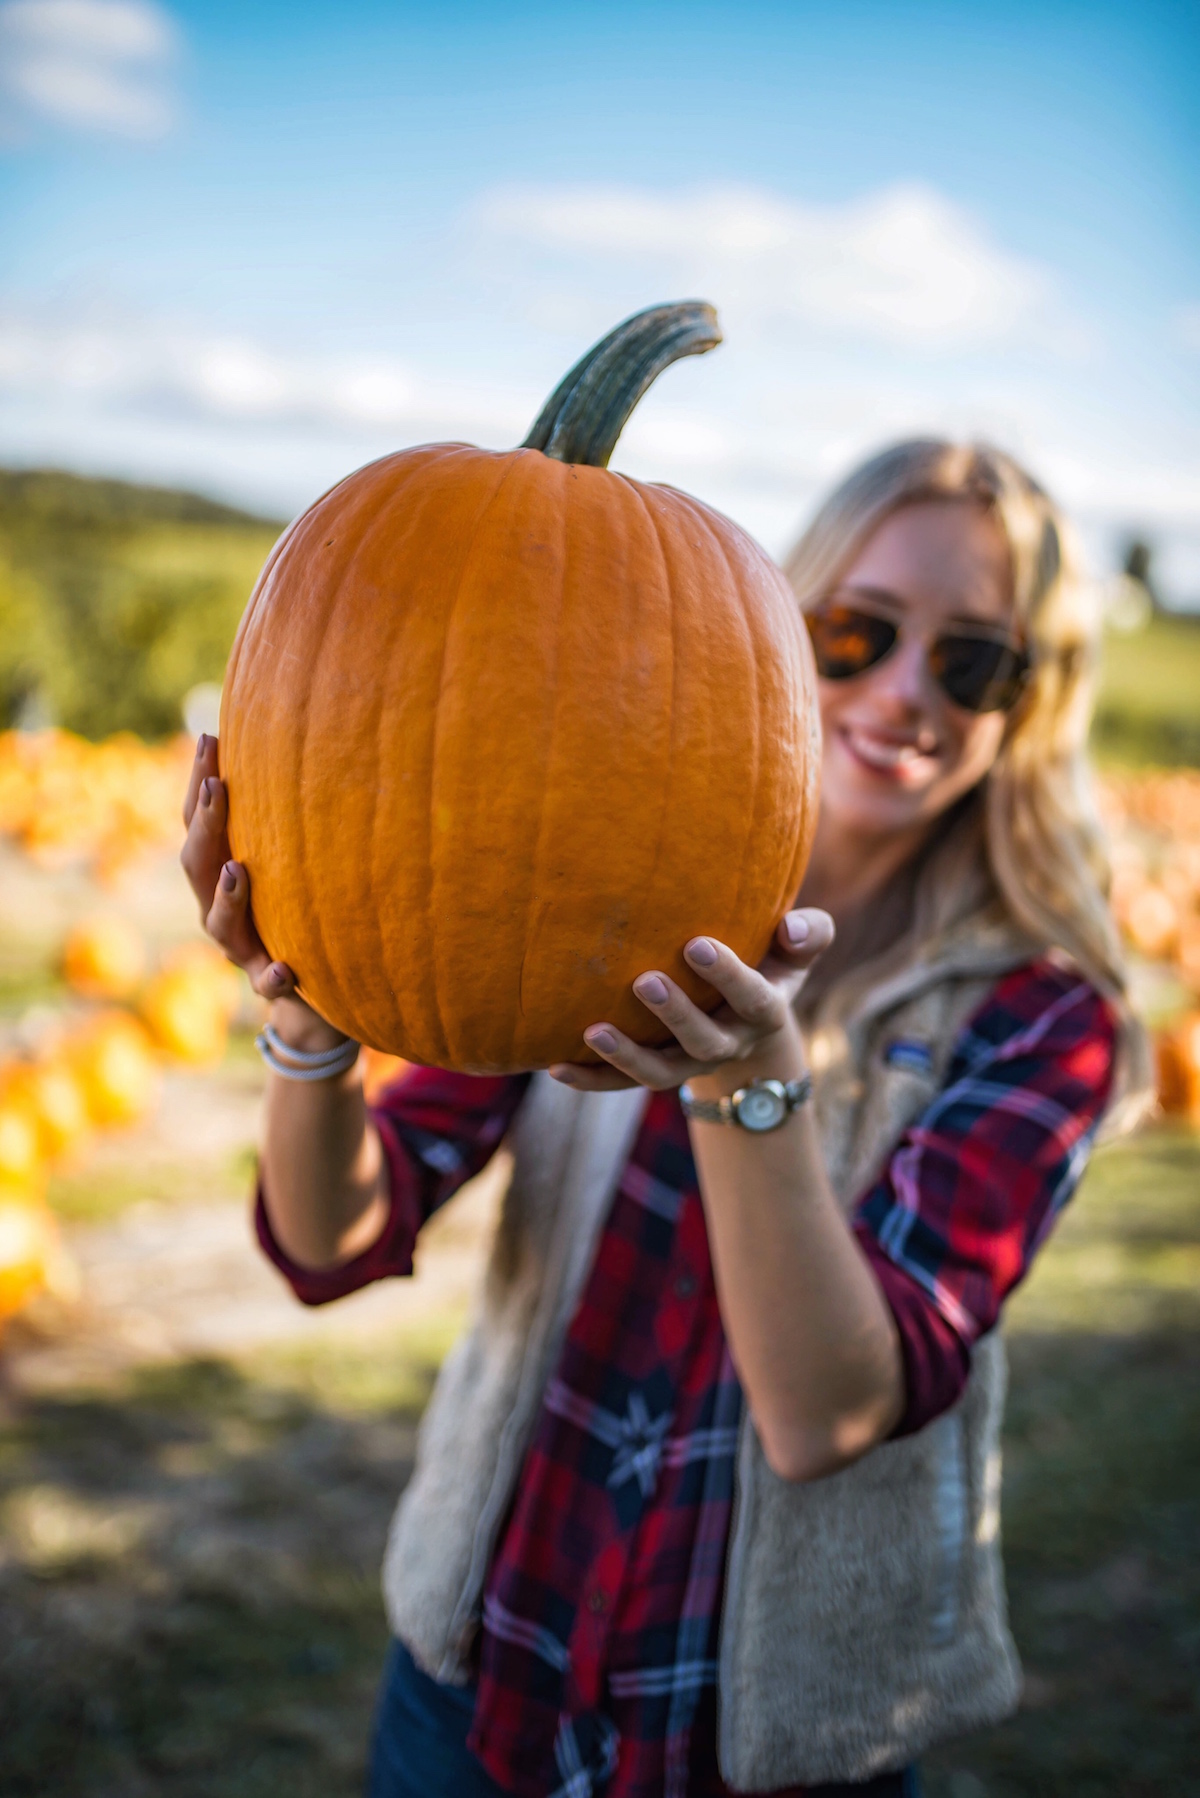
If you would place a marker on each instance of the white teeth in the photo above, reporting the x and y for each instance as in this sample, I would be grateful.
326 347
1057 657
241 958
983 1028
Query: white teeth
883 755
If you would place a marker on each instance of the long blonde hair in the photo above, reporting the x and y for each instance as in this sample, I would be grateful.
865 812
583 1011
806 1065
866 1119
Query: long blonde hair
1037 829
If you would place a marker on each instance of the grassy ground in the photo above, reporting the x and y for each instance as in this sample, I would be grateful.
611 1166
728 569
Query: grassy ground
1102 1497
190 1593
1147 709
189 1555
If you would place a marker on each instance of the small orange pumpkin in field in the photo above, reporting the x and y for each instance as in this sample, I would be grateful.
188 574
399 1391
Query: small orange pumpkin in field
1179 1067
1152 922
183 1018
1187 950
204 964
51 1090
20 1143
378 1071
104 957
32 1258
23 1249
189 1003
502 730
115 1061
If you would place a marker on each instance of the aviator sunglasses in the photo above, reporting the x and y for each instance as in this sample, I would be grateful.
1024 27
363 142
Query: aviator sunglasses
980 672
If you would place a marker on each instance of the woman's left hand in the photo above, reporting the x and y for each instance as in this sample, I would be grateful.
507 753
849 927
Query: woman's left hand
757 1010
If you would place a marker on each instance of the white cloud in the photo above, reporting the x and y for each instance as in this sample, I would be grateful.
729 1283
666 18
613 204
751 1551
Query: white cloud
168 371
1158 494
773 423
93 65
903 265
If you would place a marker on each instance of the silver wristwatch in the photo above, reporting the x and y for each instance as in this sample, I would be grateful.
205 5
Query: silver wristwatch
761 1106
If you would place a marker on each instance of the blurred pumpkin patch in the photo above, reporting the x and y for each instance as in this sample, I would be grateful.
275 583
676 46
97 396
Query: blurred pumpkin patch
103 805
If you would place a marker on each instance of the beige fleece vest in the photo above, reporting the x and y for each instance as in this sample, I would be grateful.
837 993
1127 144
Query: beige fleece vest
864 1616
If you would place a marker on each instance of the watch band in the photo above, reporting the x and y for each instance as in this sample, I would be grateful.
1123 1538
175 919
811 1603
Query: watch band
793 1094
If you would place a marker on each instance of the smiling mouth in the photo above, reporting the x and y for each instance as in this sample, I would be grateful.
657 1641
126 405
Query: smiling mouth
899 760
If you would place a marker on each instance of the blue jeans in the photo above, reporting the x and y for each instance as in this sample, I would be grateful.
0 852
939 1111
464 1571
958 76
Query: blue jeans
420 1745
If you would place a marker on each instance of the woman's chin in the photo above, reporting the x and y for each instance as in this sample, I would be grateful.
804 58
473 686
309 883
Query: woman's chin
864 801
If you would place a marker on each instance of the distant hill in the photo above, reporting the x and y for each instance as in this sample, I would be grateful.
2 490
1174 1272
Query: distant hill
116 599
30 495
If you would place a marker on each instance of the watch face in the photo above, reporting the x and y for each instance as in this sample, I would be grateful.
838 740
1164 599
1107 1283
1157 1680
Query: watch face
761 1108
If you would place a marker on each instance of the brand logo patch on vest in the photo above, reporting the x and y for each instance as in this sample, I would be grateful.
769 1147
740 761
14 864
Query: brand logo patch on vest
912 1056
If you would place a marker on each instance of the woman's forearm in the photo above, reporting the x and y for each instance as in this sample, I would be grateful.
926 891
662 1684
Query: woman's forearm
324 1181
813 1338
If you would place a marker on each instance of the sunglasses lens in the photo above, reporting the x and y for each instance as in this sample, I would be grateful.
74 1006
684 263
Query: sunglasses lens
979 674
846 641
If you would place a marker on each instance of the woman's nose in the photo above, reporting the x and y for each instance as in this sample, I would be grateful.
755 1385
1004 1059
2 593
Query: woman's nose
904 676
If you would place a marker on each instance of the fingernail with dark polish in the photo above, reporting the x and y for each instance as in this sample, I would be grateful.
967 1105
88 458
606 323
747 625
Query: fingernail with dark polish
701 952
652 989
228 878
208 791
564 1075
201 744
796 928
601 1039
278 973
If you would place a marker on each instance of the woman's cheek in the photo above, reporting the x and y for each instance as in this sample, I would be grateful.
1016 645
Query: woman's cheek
979 746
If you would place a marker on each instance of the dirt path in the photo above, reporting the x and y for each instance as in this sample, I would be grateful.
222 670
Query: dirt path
158 1222
176 1282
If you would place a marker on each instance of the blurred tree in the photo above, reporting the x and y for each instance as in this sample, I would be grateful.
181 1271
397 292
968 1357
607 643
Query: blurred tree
115 599
1138 558
26 648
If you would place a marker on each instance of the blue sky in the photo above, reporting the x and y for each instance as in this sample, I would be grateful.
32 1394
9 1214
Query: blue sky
247 247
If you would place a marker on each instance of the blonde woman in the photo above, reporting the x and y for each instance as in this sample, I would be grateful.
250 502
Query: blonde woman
706 1501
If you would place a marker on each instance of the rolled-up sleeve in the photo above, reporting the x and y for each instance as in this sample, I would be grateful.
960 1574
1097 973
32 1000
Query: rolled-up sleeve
437 1130
974 1186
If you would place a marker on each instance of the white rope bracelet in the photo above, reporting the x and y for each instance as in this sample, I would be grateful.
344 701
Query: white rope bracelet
305 1064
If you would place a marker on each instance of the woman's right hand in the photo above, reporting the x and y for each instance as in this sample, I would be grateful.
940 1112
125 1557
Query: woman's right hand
222 887
324 1183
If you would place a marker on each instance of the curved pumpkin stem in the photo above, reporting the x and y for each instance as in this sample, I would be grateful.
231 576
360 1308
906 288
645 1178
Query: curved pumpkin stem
590 407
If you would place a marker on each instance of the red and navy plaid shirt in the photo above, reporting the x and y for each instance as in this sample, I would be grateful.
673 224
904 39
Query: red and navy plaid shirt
598 1642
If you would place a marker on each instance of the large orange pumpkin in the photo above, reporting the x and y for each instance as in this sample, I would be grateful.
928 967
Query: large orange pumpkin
502 730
